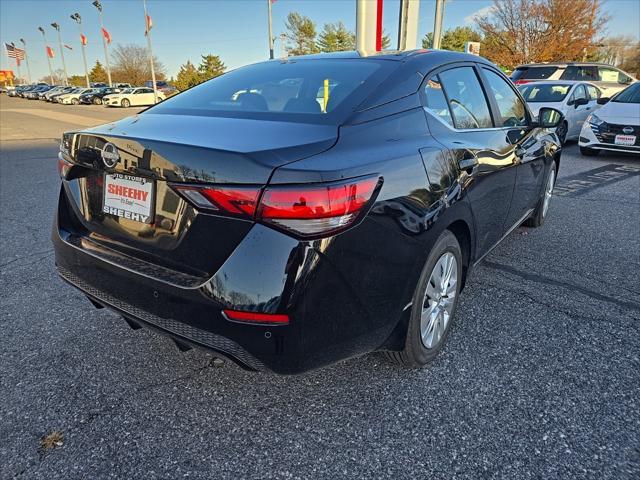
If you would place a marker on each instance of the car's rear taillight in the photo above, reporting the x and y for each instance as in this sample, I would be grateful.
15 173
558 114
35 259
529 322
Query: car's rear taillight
304 210
522 82
317 209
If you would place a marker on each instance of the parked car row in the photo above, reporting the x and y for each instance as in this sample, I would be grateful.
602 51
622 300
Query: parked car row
122 95
615 126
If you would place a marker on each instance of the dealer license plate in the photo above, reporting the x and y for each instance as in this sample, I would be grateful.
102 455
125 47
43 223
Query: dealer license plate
127 196
625 140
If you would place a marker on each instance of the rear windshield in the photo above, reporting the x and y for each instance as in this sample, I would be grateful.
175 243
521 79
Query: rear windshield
315 91
532 73
629 95
541 92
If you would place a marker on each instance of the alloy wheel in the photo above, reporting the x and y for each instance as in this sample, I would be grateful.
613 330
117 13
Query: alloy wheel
548 191
439 300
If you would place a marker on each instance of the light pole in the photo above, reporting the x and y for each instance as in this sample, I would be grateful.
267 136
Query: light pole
47 53
64 65
78 19
269 2
98 5
148 35
26 57
437 24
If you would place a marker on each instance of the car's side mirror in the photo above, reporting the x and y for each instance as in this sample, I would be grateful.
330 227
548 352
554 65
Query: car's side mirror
580 101
549 117
603 100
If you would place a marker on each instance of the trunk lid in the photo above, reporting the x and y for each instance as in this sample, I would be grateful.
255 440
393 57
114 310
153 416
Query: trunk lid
119 162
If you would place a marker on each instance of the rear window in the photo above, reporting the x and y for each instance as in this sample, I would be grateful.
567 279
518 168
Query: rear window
533 73
537 92
316 91
580 72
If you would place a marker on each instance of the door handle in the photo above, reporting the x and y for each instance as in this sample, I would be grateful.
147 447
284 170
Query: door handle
468 161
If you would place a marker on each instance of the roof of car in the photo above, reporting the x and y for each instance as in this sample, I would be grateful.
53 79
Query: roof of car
566 64
556 82
420 55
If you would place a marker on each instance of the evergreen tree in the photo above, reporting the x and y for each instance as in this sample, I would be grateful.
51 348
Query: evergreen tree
98 73
301 34
336 38
453 39
210 67
187 77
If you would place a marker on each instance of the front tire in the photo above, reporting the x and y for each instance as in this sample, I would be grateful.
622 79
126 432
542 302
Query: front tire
434 304
540 213
75 101
125 103
589 152
97 101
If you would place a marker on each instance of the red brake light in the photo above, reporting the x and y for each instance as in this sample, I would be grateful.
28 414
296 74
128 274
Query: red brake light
522 82
306 210
255 317
310 210
236 201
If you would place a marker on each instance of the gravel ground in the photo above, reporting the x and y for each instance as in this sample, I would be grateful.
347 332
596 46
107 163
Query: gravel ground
540 377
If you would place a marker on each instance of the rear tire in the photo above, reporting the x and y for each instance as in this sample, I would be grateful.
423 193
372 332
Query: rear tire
97 101
589 152
434 304
75 101
540 213
125 103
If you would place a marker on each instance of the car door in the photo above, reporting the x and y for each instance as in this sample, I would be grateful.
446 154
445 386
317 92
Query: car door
460 118
577 113
520 141
144 96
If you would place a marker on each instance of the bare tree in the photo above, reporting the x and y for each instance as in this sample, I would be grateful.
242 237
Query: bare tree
526 31
130 64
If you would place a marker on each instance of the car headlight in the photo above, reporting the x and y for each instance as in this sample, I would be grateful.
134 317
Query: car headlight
595 120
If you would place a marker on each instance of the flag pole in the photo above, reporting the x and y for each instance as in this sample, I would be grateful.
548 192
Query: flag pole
148 35
47 53
26 59
76 16
64 64
98 5
269 2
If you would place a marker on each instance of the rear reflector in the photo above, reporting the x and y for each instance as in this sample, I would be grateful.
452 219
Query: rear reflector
305 210
255 317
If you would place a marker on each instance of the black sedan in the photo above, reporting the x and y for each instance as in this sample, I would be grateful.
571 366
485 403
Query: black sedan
293 213
96 97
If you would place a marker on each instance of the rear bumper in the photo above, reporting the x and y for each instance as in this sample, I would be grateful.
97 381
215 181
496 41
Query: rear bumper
337 310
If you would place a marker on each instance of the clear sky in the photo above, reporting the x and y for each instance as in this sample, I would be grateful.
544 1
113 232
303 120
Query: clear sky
234 29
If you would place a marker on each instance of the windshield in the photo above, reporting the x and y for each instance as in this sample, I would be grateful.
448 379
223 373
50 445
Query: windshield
629 95
127 90
316 91
544 92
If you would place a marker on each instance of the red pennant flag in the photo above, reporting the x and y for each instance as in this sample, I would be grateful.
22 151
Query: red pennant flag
50 52
106 35
83 39
67 46
149 23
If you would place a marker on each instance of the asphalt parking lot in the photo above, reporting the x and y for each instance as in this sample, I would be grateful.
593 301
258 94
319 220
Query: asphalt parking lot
540 377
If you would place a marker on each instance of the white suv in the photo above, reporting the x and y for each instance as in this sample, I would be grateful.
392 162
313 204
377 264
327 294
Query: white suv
610 80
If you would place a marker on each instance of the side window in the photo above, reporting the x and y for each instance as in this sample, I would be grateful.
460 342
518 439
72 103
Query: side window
436 101
579 92
512 109
466 99
612 75
580 73
593 92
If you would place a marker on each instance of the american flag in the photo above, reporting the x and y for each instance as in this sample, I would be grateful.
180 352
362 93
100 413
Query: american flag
14 52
